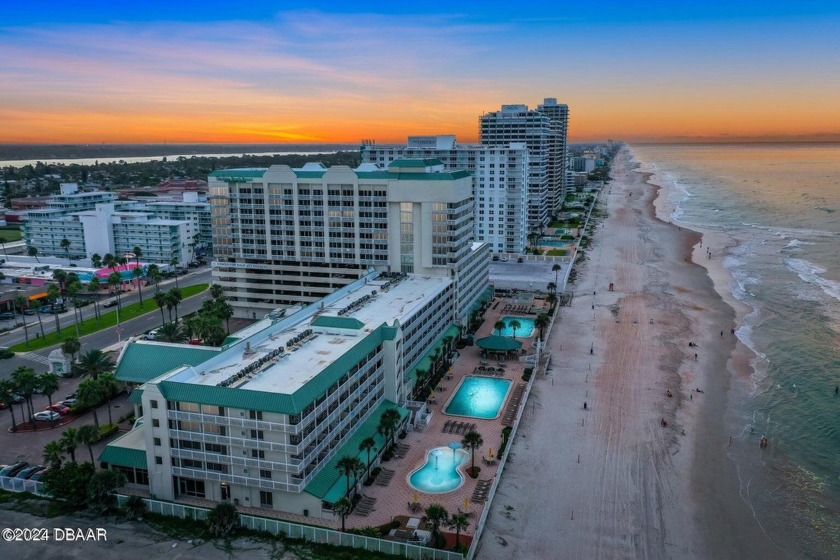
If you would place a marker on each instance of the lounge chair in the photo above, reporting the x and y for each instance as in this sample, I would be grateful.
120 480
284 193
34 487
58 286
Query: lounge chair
446 426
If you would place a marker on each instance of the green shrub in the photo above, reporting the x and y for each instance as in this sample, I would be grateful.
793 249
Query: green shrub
6 354
106 430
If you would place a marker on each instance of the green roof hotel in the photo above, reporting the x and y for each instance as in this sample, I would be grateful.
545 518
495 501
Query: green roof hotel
262 421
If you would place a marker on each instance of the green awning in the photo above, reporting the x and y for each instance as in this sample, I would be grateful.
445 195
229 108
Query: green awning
496 343
128 450
329 484
136 396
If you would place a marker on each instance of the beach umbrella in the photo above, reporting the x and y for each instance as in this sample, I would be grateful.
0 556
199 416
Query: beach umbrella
490 453
453 446
415 498
466 505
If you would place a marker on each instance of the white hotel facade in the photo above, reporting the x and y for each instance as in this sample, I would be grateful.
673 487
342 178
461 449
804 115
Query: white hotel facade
290 237
500 182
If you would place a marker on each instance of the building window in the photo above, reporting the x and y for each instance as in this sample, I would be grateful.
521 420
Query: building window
189 487
158 460
258 454
157 441
266 499
154 404
155 423
257 434
256 415
265 473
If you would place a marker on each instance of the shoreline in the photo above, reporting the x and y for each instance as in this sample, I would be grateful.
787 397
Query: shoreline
629 486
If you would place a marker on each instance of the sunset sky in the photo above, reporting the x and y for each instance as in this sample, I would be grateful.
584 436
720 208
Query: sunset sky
212 71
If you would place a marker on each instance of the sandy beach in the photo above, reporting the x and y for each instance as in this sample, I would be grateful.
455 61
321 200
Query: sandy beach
610 480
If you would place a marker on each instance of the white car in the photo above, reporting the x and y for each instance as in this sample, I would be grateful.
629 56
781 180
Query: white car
504 259
47 416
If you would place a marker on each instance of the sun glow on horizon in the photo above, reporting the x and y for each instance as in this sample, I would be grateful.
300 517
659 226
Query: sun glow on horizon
328 77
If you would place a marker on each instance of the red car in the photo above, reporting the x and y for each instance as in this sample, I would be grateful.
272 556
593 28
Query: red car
60 408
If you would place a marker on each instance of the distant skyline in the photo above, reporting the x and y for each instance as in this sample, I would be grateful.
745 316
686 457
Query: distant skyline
264 72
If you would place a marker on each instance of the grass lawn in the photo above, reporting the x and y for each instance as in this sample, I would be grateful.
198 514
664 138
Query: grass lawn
557 253
92 325
9 233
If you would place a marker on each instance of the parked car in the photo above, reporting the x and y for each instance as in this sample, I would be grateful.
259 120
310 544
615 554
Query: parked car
49 309
46 416
7 316
504 259
13 469
71 396
112 303
69 403
30 311
38 474
17 399
61 408
28 471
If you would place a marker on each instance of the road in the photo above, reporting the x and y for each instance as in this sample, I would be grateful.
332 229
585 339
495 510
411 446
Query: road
102 339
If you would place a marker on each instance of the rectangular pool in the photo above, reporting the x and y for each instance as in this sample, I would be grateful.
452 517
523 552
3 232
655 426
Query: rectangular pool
479 397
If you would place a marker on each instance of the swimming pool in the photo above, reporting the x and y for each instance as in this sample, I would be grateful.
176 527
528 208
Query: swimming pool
440 472
555 242
479 397
526 327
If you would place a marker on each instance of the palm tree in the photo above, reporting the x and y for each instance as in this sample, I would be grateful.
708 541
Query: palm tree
216 292
459 522
109 261
388 424
171 332
155 275
555 268
61 277
71 346
90 394
88 435
70 441
552 301
514 324
174 297
552 287
94 363
138 252
20 302
93 287
138 273
73 289
33 252
96 260
541 322
26 383
368 444
7 389
437 516
53 295
48 385
65 244
115 281
342 507
500 326
358 469
174 263
472 441
108 384
54 454
160 301
347 465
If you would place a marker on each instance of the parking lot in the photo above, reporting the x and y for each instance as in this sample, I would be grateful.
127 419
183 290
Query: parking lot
29 446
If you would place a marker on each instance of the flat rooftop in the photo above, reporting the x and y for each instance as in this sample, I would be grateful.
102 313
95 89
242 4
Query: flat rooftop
280 369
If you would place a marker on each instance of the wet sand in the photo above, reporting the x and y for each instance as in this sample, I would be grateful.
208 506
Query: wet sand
611 481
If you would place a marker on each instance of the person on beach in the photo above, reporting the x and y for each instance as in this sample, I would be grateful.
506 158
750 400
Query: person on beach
584 405
836 389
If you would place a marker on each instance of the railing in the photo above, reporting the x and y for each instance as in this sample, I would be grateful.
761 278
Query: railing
306 532
12 484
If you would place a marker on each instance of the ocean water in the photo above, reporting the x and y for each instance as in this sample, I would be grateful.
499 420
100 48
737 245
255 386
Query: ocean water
779 206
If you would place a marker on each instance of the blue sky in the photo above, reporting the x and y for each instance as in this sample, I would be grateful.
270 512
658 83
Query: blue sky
314 71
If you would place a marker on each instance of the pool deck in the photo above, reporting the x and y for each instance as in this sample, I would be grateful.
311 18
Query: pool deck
392 500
